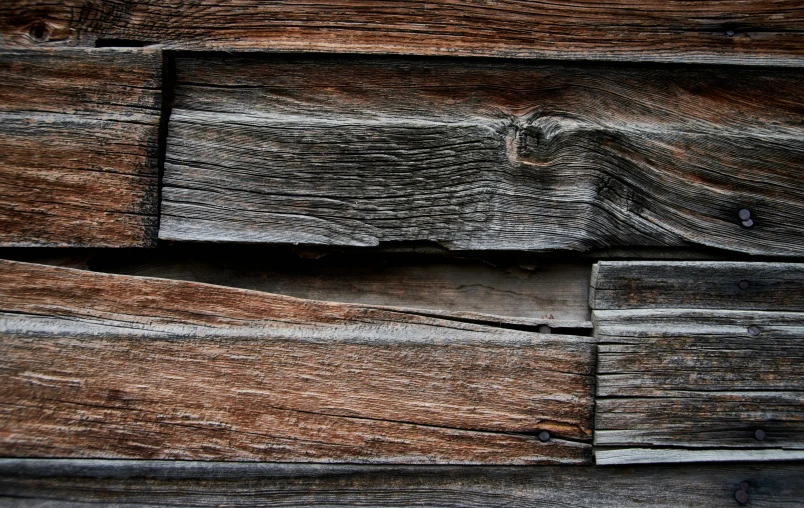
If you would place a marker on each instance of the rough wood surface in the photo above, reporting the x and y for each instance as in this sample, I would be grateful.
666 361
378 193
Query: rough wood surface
700 379
97 365
483 155
79 133
697 285
514 289
760 32
46 483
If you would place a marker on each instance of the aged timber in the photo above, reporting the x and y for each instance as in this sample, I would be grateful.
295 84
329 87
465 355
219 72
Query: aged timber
499 289
484 155
759 32
698 285
79 137
134 483
98 365
696 383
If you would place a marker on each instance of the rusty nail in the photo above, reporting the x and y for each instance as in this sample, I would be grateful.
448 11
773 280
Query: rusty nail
741 496
759 435
753 331
545 329
544 436
748 223
743 284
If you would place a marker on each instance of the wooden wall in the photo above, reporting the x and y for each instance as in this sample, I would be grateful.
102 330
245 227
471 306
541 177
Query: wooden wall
400 253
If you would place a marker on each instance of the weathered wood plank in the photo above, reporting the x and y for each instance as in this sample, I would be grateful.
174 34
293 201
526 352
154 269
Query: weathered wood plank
697 285
515 289
759 32
483 155
700 379
79 133
97 365
133 483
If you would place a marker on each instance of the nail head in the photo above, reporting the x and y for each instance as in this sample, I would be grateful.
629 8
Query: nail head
741 496
744 486
544 436
748 223
745 214
744 284
753 331
545 329
759 435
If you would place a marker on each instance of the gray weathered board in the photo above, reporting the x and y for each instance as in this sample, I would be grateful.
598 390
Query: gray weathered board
697 285
698 384
111 366
760 32
79 133
51 483
499 290
484 155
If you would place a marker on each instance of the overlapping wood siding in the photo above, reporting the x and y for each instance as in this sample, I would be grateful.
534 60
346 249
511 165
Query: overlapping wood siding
79 133
680 379
100 365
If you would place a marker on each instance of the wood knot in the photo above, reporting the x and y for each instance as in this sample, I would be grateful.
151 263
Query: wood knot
536 140
39 32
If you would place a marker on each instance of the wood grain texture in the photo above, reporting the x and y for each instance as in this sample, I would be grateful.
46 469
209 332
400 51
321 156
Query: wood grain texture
703 379
697 285
758 32
46 483
483 155
515 289
97 365
79 133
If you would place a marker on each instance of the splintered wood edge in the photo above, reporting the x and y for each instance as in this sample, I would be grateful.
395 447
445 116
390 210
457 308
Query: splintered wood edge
604 457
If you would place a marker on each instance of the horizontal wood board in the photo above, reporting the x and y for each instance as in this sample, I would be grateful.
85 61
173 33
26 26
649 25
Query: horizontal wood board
757 32
45 483
483 155
79 133
111 366
697 285
507 290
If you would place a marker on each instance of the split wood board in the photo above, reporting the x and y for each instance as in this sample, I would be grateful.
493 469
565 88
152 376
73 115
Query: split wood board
699 385
110 366
79 133
760 32
483 155
135 483
697 285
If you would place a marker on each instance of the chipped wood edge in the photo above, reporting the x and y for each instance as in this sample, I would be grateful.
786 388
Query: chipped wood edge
604 457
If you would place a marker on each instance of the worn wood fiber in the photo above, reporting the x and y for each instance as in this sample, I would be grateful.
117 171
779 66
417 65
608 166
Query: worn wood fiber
97 365
45 483
483 155
497 289
759 32
79 133
697 285
700 379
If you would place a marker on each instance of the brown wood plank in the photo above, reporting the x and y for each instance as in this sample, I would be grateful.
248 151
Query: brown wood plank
79 133
140 483
706 379
98 365
760 32
483 155
697 285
